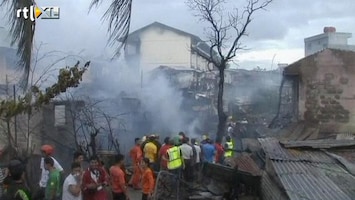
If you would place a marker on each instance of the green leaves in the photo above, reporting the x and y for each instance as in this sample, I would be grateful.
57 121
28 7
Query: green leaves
67 78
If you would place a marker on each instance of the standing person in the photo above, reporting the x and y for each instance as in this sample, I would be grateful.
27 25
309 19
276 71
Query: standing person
175 163
219 152
16 189
198 158
208 151
151 151
78 157
230 129
182 136
94 181
187 154
53 188
118 182
47 151
204 139
136 155
163 150
72 183
147 180
229 147
156 165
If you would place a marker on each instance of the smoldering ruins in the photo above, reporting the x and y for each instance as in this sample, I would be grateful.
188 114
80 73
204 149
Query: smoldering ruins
170 100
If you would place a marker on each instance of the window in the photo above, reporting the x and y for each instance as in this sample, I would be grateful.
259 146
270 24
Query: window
59 115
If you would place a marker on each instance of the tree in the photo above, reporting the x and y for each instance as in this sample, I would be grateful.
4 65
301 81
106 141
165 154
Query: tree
22 30
91 119
25 104
226 29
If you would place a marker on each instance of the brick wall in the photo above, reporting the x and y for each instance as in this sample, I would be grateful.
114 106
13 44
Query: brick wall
327 93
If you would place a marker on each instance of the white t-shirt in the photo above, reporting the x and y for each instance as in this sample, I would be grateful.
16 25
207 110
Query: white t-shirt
186 150
67 195
45 173
198 152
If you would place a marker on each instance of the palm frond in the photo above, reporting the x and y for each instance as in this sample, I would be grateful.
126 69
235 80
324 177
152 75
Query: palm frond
22 33
119 17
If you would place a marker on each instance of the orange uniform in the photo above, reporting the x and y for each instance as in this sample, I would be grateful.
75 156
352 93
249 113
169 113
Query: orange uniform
136 155
147 181
117 179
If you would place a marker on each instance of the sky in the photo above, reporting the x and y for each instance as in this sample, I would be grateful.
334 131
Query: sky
276 34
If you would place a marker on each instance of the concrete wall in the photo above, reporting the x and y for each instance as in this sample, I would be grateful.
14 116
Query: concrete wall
163 47
198 62
327 40
326 91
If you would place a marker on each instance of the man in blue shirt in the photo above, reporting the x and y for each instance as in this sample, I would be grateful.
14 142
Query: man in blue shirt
208 151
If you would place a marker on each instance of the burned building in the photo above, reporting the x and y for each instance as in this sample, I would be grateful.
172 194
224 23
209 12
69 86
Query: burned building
318 91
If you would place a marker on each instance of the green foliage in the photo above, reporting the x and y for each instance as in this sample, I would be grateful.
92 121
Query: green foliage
68 77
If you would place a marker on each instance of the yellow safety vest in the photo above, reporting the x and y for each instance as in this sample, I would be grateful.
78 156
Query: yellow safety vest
228 152
174 158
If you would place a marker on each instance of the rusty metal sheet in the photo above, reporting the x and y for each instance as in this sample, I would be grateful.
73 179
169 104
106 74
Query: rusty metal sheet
270 190
245 163
275 151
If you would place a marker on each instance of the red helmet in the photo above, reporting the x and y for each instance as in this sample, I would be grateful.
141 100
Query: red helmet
47 149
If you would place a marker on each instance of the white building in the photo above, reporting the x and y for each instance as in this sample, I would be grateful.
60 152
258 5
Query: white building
160 45
328 39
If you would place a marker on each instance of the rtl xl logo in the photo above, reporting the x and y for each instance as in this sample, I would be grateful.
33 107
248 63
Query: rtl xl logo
34 12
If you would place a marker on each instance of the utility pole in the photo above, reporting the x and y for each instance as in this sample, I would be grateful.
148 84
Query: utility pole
15 118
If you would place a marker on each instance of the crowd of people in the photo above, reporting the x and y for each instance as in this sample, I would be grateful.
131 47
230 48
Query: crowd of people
179 155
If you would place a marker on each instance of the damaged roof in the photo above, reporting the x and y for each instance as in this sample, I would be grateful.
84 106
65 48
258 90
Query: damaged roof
319 144
294 69
306 174
245 163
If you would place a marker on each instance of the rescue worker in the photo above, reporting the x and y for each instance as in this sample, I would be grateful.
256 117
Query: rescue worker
163 150
175 163
228 147
136 155
151 151
174 157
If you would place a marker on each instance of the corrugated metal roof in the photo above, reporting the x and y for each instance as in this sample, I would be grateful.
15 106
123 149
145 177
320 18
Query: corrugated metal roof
319 144
275 151
269 190
246 164
306 180
309 175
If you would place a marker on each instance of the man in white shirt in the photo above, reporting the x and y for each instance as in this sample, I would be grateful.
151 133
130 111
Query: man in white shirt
72 184
47 150
187 155
197 164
